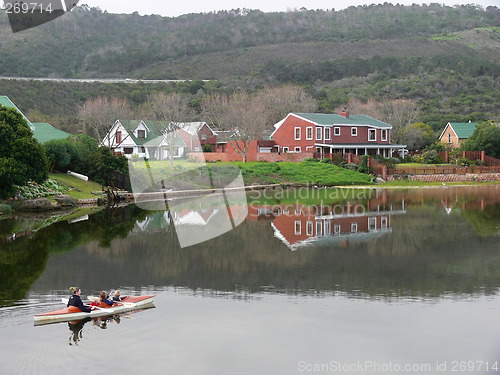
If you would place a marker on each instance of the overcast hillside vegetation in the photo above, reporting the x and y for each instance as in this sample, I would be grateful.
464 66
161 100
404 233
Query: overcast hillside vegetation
446 59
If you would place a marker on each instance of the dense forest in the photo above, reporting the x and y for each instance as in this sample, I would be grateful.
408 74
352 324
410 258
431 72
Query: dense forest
445 58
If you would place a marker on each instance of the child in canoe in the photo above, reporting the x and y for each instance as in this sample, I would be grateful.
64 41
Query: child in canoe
104 300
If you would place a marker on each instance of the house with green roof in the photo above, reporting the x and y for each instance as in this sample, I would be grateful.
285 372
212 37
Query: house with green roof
145 138
45 132
6 102
326 134
42 131
455 133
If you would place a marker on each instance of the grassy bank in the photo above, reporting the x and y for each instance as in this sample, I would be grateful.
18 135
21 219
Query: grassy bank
306 172
188 175
79 189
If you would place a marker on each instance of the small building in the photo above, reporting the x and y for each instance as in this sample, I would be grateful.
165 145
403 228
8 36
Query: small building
455 133
147 139
326 134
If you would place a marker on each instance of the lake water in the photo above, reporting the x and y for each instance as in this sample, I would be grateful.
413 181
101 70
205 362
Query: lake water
326 281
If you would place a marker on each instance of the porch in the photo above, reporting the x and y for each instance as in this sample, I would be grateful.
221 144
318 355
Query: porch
326 150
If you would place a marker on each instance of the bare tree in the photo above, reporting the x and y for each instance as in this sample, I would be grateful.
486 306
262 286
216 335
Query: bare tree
280 101
242 114
169 109
399 113
100 113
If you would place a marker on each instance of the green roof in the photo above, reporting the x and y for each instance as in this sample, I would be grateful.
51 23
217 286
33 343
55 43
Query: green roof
6 102
334 119
154 137
463 129
45 132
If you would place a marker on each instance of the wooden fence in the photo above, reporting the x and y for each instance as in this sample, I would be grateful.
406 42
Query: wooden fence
491 165
441 170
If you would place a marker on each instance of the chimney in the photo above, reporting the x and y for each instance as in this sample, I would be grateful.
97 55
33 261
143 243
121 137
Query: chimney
345 113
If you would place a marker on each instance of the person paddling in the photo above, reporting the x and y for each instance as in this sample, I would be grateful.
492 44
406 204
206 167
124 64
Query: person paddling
76 301
105 301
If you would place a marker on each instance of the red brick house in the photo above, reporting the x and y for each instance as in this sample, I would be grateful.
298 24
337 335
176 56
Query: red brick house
196 135
327 134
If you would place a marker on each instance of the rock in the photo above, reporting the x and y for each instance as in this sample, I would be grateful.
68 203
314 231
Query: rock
65 201
36 204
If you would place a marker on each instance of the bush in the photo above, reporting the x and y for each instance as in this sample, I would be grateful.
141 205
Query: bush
363 167
430 157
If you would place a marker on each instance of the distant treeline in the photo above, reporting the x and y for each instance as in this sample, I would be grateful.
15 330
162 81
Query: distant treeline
445 58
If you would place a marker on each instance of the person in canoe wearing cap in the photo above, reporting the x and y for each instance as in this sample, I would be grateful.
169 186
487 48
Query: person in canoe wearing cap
76 301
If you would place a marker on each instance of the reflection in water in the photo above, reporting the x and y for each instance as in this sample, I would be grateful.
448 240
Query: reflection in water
389 243
76 327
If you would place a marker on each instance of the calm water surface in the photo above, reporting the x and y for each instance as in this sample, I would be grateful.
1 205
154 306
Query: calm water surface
380 282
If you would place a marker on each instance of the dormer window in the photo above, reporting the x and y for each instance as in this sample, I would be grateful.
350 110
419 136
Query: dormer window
141 133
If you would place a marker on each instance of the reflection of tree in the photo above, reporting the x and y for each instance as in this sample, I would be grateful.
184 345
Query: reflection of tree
23 260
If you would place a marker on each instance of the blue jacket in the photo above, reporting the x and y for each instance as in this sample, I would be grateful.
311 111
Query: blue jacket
75 300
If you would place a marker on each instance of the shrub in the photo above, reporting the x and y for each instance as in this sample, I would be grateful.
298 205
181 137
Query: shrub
430 157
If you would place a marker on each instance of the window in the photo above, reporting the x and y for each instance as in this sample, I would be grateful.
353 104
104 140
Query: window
309 133
372 223
309 228
327 228
449 137
354 132
203 137
298 227
336 131
383 222
327 134
372 135
336 229
297 134
128 150
384 135
118 137
141 133
298 149
285 150
319 134
319 228
143 150
354 227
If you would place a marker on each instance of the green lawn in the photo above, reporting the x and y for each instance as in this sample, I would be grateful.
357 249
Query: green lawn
79 189
195 174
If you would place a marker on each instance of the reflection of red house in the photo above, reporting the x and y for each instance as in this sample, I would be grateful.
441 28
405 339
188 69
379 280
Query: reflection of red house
298 225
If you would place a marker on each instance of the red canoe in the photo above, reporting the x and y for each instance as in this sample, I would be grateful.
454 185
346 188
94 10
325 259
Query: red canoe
70 313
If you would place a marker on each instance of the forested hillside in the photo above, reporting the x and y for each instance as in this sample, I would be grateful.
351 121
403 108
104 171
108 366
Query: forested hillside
446 58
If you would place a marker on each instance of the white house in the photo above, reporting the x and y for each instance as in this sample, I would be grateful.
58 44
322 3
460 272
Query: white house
147 139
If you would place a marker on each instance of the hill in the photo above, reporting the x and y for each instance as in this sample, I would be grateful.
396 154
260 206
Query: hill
447 58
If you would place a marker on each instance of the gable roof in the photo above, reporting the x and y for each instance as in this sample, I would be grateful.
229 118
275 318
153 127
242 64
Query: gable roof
44 132
6 102
326 119
154 135
335 119
193 128
463 130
